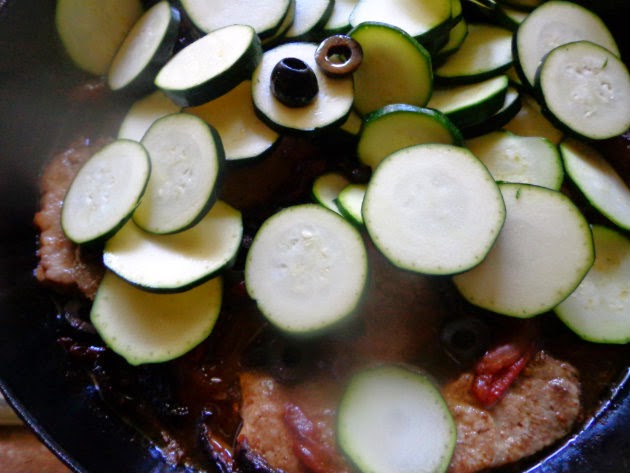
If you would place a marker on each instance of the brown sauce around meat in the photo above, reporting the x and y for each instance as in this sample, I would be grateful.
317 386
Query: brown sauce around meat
250 399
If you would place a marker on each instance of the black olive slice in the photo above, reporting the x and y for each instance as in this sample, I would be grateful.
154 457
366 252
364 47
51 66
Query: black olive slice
339 55
293 82
465 339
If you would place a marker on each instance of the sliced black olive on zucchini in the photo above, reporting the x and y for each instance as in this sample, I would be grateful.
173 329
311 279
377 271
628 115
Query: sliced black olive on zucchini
329 108
486 52
554 23
395 68
433 209
265 17
105 191
543 252
172 263
293 82
397 126
393 419
243 134
309 19
602 186
145 327
525 159
143 112
91 31
470 104
211 66
187 159
306 269
145 50
415 18
599 308
586 90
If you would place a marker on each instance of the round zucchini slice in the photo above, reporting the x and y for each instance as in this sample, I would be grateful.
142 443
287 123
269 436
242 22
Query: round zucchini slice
91 31
144 327
187 159
105 192
172 263
395 68
397 126
243 134
393 419
306 269
145 49
599 308
211 66
586 90
433 209
330 107
552 24
543 252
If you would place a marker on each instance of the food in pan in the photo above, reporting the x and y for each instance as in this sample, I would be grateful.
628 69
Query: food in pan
298 285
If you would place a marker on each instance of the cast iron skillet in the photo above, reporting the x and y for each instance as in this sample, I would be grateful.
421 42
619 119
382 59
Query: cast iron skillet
71 419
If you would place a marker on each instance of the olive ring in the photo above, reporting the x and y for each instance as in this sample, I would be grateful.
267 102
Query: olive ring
338 55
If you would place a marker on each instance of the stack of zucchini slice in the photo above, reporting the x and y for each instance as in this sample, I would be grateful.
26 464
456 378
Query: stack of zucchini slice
467 116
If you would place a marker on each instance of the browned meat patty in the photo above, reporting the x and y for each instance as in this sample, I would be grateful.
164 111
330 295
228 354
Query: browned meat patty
63 264
540 408
291 427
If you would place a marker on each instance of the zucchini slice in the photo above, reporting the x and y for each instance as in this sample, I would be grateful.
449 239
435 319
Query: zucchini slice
173 263
586 90
330 107
397 126
599 308
350 202
105 191
414 17
187 159
91 31
145 50
243 134
510 108
395 68
143 113
265 17
530 121
524 159
306 269
326 189
433 209
393 419
486 52
144 327
552 24
456 38
339 21
543 252
211 66
598 181
470 104
309 20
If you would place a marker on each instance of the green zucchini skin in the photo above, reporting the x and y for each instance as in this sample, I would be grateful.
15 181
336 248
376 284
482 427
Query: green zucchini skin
218 83
143 80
